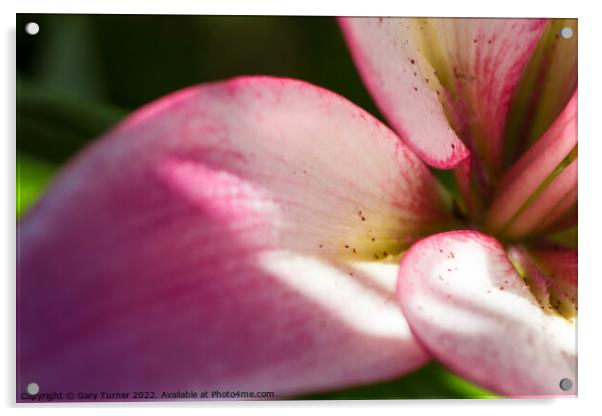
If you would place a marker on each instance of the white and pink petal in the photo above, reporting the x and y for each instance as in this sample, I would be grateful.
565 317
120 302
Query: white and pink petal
429 75
468 305
404 86
207 243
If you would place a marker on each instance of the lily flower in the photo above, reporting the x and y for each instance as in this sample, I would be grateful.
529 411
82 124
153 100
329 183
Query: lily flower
266 235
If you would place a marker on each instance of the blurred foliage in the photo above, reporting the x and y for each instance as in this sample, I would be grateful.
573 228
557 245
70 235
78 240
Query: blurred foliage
129 60
33 176
55 126
429 382
82 73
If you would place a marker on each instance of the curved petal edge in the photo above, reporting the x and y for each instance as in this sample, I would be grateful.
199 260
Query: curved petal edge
211 242
470 308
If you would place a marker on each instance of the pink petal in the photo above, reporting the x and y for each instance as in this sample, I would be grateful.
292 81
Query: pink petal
550 205
547 85
551 273
423 72
560 262
555 223
206 242
470 308
387 64
534 167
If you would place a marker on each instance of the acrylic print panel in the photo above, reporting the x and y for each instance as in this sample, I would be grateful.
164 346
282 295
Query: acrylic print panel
261 208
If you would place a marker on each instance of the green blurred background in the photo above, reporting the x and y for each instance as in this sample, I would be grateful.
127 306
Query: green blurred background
82 73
